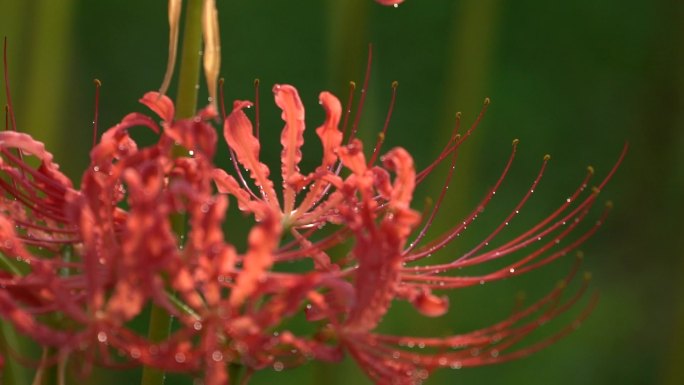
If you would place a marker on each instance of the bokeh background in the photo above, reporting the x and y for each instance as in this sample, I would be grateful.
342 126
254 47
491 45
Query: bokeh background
575 79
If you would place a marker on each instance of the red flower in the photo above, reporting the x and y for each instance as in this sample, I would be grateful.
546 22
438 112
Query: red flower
96 257
373 210
390 2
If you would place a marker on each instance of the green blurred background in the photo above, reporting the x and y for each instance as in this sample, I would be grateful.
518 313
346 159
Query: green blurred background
575 79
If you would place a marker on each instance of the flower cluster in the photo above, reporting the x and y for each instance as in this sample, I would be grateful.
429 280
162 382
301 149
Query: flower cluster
80 264
338 246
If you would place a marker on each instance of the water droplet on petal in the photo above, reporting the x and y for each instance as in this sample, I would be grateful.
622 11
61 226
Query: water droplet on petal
217 356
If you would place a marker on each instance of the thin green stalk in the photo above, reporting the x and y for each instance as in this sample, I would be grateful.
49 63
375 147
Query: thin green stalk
191 58
186 104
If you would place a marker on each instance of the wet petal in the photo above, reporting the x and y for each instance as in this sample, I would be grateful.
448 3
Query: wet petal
237 131
160 104
328 132
292 139
263 239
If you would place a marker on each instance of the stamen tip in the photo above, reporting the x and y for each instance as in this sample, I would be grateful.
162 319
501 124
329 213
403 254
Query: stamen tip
221 81
395 84
97 82
487 101
587 276
609 204
547 157
516 141
595 190
458 115
256 82
590 169
352 85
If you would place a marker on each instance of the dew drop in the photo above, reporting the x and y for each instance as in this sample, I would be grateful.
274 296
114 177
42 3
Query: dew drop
511 270
217 356
102 337
456 365
197 325
135 353
278 366
180 357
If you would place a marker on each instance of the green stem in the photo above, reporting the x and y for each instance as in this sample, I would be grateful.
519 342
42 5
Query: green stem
13 372
186 104
186 99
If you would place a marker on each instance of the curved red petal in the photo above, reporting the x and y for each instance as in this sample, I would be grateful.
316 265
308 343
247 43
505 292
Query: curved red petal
328 132
292 139
160 104
237 131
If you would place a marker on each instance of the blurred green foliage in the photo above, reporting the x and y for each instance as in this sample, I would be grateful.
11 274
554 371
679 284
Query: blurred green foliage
575 79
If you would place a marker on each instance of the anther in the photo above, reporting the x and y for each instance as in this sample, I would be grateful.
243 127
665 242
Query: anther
487 101
547 157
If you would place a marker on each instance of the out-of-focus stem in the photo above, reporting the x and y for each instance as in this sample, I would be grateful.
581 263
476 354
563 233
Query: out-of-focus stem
186 103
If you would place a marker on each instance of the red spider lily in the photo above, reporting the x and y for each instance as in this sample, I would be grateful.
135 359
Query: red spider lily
374 211
79 265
